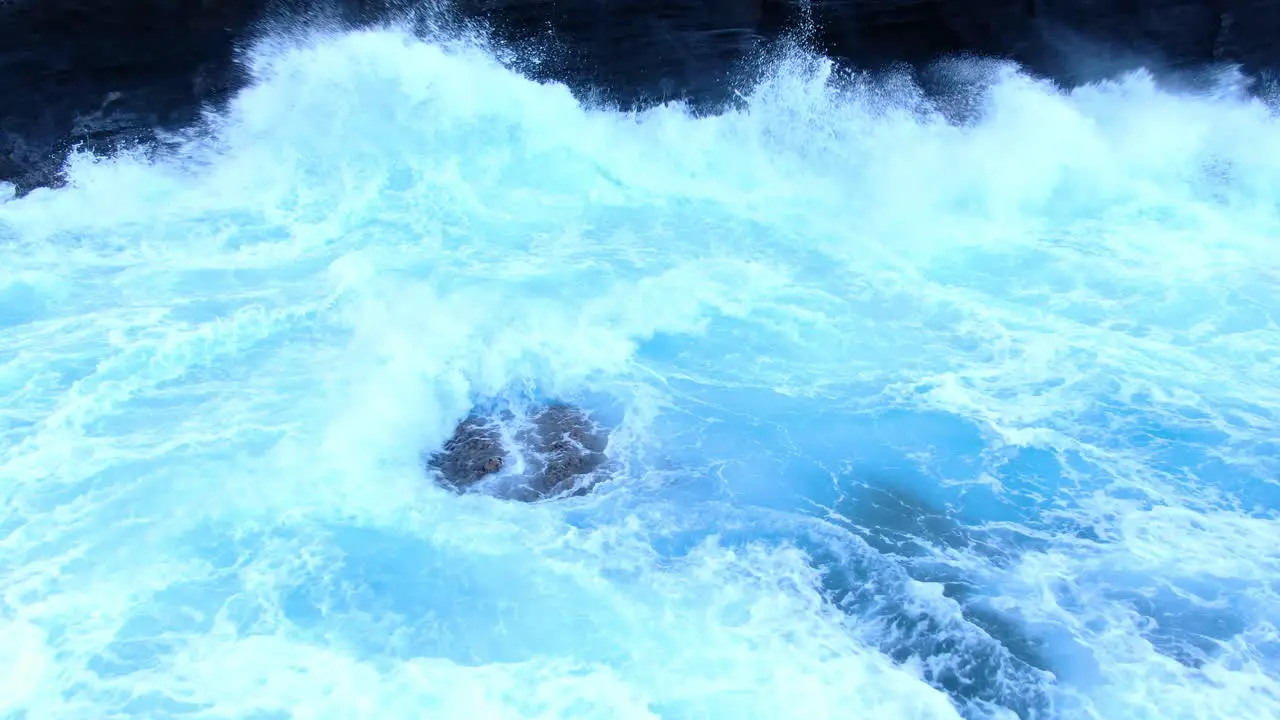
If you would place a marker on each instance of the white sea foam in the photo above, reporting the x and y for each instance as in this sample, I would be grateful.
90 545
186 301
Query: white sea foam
992 406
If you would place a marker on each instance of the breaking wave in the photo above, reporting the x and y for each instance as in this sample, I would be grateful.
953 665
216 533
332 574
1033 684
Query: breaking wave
913 418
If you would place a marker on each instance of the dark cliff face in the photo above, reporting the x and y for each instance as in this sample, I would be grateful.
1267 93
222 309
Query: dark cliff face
102 72
99 72
633 51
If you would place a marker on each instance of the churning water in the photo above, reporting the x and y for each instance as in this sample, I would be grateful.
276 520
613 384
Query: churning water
915 419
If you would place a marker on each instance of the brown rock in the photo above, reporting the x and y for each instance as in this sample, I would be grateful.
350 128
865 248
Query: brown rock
552 450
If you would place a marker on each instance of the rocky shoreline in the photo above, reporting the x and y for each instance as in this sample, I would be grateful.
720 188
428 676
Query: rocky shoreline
98 73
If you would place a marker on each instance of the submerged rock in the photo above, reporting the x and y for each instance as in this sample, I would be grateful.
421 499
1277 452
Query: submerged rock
553 450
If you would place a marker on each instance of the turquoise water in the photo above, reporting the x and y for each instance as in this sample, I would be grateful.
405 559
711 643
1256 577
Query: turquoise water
913 420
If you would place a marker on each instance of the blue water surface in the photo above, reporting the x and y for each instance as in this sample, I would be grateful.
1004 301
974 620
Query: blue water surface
911 418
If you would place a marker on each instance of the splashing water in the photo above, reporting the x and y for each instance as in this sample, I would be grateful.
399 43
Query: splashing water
915 419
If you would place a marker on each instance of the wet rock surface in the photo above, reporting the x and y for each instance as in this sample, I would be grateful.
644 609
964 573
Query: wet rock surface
552 450
106 74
